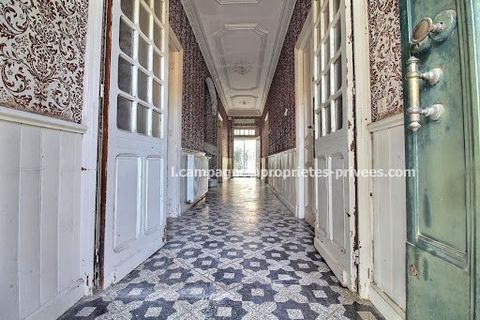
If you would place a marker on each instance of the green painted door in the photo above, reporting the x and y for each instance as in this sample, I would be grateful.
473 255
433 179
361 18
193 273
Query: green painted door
441 198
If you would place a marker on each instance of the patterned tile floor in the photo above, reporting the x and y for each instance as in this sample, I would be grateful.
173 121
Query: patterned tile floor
239 254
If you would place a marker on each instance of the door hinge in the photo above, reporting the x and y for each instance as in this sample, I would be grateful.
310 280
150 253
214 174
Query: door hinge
102 90
96 275
356 257
97 257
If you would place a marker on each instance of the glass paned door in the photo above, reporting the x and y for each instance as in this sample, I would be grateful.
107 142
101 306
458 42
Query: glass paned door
245 157
333 107
135 171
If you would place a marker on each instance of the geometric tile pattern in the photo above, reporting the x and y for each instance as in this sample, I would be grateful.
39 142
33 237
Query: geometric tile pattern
238 254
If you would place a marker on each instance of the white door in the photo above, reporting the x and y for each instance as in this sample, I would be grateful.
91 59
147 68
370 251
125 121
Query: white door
136 164
335 192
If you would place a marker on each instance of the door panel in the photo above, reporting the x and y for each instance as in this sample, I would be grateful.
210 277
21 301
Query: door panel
127 196
153 203
334 136
439 197
321 199
135 169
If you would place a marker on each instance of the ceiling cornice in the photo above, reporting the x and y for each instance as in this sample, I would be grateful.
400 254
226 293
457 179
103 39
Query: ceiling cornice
287 13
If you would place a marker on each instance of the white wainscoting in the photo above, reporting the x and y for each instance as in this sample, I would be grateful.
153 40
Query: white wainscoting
40 220
389 218
284 188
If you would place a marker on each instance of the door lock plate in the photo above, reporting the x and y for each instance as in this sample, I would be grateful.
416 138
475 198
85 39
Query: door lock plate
428 30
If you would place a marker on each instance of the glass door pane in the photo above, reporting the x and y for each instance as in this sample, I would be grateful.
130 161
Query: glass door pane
244 157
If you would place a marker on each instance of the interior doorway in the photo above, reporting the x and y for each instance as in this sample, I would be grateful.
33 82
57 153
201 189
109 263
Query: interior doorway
305 122
244 157
174 157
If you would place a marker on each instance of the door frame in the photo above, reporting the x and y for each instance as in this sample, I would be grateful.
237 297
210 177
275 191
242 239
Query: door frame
174 142
220 129
473 33
99 255
363 154
92 106
364 157
300 84
264 144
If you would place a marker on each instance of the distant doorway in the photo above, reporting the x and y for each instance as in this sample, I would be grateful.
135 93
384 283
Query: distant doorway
244 157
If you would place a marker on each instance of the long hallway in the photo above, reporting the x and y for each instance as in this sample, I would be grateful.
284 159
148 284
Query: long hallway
238 254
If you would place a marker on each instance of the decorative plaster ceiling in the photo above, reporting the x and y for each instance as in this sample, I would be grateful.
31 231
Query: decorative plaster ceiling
241 41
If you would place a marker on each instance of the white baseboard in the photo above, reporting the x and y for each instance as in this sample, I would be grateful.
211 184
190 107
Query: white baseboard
387 308
286 203
60 304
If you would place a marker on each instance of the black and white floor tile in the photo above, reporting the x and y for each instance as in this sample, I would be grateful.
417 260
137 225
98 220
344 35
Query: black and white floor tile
238 254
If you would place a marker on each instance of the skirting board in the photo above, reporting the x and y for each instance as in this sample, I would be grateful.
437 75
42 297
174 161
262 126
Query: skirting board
387 308
186 206
283 200
60 304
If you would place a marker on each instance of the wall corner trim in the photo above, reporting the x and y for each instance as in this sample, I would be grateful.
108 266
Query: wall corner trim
38 120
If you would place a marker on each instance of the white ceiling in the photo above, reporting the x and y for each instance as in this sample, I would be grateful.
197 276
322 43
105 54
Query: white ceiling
241 41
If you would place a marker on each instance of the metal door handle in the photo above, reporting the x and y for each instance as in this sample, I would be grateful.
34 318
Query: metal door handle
414 76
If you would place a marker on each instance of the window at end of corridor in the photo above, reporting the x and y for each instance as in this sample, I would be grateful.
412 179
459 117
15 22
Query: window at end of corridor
244 132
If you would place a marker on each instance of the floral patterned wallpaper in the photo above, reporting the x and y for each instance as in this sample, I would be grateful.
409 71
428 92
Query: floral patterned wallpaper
282 90
385 58
42 46
195 72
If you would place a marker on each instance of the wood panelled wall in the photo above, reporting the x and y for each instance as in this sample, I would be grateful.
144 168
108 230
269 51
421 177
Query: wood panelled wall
40 220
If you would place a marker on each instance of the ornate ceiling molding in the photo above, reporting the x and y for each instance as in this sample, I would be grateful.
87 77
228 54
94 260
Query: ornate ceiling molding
256 29
244 100
201 36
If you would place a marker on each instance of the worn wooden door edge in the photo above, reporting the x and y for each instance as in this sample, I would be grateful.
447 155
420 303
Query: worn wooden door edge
90 142
103 149
363 157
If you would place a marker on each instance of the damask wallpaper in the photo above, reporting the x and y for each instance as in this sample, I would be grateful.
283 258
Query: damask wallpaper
385 58
42 46
195 72
282 90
